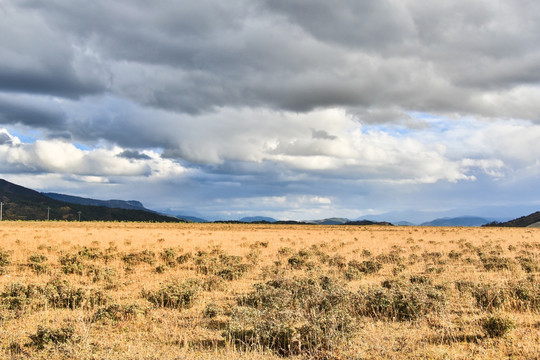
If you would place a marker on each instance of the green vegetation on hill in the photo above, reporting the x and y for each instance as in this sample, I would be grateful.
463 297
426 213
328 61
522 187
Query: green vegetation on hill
21 203
523 221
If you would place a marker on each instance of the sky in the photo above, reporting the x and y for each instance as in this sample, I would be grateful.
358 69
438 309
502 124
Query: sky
289 109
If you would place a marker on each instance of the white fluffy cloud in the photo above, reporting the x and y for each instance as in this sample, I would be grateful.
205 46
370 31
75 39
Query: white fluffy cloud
60 157
271 99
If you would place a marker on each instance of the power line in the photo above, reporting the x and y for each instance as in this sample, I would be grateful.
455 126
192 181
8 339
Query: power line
1 209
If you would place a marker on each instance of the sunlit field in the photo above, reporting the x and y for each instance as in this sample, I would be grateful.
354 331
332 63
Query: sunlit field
220 291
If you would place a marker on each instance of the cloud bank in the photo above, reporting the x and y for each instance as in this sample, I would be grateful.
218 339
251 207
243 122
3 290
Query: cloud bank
243 107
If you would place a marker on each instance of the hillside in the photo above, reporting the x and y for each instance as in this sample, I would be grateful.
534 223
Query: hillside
523 221
117 204
251 219
457 221
21 203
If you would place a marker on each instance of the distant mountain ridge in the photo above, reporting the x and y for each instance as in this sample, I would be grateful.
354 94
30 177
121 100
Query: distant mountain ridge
330 221
249 219
21 203
524 221
194 219
119 204
457 221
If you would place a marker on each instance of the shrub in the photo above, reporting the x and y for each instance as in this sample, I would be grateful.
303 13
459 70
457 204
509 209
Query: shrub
524 295
72 264
366 267
397 301
455 255
61 294
97 274
338 261
36 263
494 262
184 258
18 296
45 336
390 258
90 253
293 316
168 256
116 312
4 258
352 273
211 311
529 263
178 295
228 267
489 297
145 256
496 325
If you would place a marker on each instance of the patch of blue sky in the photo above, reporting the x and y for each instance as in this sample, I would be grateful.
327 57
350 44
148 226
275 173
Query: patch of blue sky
27 136
83 147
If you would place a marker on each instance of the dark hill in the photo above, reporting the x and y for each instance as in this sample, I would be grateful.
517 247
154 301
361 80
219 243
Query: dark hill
21 203
117 204
523 221
367 222
457 221
252 219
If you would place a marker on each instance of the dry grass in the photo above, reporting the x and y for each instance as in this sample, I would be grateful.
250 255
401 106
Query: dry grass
175 291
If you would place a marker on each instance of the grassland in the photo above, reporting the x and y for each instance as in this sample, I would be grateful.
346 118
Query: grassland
225 291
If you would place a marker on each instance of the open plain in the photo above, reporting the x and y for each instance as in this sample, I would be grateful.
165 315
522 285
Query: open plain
72 290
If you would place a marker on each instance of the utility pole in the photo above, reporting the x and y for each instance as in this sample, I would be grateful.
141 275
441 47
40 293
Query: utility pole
48 209
1 209
79 212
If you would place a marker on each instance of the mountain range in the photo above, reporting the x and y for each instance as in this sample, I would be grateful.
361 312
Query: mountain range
457 221
20 203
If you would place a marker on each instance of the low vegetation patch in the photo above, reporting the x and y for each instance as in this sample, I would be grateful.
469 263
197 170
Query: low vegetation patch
176 295
293 316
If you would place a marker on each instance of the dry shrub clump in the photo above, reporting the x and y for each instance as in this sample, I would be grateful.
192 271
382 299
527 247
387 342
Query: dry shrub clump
294 315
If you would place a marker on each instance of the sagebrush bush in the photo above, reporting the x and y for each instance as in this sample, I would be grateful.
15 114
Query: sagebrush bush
293 315
366 267
17 296
4 258
90 253
211 310
184 258
176 295
228 267
529 263
72 264
496 263
116 312
60 293
145 256
36 262
46 336
396 300
169 256
496 325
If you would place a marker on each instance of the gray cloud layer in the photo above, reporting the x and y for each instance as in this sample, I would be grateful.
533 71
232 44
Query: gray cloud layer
272 98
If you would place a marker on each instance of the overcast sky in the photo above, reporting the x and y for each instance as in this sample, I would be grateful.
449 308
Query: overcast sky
295 109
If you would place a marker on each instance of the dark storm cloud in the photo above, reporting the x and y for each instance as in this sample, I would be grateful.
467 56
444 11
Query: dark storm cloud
5 139
132 154
31 111
302 55
321 134
36 58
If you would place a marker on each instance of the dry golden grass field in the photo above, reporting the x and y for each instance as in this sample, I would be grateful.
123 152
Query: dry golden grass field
220 291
